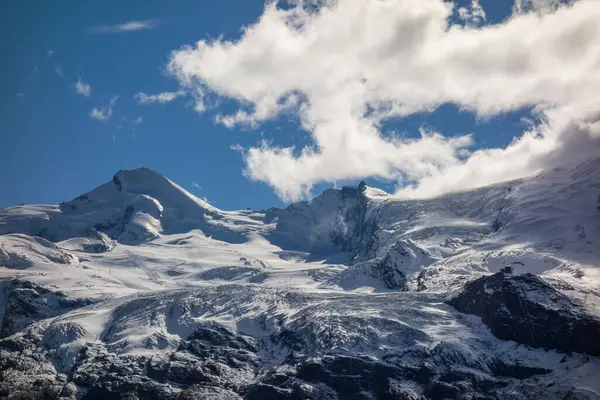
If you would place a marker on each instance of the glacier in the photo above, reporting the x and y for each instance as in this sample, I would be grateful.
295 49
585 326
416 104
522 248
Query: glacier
140 290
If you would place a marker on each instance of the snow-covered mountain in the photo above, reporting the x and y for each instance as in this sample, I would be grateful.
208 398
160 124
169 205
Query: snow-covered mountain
138 289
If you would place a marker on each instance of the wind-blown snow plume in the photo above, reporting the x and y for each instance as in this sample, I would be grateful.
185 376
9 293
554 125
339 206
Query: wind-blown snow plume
345 66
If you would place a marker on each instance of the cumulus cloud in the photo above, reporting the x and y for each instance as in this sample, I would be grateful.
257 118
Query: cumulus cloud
345 66
568 134
131 26
162 98
80 86
106 112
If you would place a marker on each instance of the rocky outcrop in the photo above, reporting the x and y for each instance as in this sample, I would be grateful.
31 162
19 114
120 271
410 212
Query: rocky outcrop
12 260
528 310
404 260
25 302
90 241
336 218
318 348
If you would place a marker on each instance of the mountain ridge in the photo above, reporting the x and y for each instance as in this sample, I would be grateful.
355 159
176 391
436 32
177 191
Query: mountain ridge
138 289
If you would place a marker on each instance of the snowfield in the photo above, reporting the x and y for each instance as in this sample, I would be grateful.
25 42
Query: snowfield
138 289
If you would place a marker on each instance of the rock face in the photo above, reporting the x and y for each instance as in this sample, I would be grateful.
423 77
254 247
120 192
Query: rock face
335 219
14 260
404 259
25 302
527 310
303 346
90 241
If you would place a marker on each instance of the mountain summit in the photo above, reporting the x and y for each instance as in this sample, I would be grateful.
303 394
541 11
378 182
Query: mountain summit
491 293
143 181
136 205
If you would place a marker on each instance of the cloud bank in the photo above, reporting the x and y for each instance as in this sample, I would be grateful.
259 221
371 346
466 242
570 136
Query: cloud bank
346 66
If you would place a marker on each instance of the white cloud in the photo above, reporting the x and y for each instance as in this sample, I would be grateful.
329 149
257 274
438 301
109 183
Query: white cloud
569 134
350 64
106 112
540 6
59 71
162 98
101 114
237 147
138 121
81 87
196 185
261 112
475 15
130 26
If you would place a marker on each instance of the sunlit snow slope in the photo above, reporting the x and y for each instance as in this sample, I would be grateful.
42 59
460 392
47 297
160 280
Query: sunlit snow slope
138 289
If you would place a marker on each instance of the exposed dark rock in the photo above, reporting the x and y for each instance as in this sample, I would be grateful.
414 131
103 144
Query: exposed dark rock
27 376
207 393
336 218
262 391
471 379
26 302
117 228
349 376
117 181
9 259
387 270
442 390
211 335
203 373
517 370
212 355
97 242
130 388
528 310
229 273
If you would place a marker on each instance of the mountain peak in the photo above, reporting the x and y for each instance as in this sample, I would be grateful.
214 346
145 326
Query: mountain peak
144 182
135 177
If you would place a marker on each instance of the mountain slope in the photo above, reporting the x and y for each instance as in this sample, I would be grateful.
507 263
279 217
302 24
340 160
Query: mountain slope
138 289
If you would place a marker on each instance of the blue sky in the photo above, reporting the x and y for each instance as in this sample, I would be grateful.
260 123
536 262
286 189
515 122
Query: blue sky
51 149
